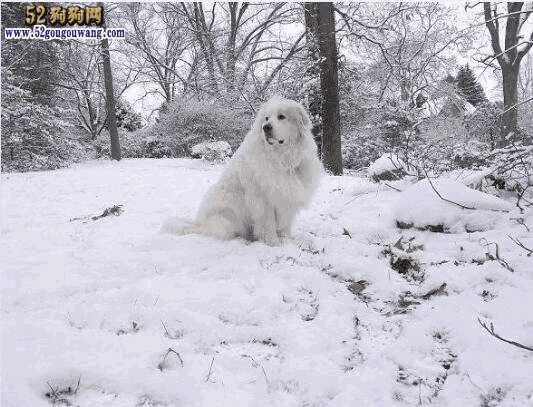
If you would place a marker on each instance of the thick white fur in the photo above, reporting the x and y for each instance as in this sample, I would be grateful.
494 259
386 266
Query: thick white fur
266 181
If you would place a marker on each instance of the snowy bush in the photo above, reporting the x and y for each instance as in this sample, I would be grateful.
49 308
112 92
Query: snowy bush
484 123
360 148
133 145
34 137
127 117
361 139
189 121
387 167
212 150
443 144
511 170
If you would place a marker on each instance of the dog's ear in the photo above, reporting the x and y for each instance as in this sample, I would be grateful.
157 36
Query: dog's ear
304 121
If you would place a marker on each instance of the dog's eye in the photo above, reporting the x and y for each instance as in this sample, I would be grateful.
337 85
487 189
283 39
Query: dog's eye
281 117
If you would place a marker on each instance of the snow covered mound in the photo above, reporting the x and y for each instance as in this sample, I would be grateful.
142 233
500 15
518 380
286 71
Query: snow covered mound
212 150
387 167
420 206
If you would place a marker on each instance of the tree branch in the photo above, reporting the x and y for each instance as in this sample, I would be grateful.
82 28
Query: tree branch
493 333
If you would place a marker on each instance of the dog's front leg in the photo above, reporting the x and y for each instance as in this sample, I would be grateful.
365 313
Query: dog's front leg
284 220
264 225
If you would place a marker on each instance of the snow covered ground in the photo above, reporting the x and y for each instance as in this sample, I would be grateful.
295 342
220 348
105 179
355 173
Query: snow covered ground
324 320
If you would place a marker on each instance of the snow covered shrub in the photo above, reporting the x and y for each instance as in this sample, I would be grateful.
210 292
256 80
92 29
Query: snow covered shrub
362 143
511 170
445 144
212 150
189 121
484 123
525 121
127 117
135 144
361 147
156 149
387 167
132 145
34 137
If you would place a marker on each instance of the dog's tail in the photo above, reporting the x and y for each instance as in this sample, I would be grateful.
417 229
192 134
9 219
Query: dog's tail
180 226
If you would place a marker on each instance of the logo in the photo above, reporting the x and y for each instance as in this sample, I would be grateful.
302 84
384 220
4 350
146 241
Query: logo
40 14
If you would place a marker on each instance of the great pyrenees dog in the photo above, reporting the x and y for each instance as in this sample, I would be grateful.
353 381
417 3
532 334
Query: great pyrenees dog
271 176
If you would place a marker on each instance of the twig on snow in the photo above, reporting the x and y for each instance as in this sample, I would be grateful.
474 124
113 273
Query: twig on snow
345 232
493 333
210 370
256 364
521 221
390 186
161 364
519 243
441 290
445 199
496 255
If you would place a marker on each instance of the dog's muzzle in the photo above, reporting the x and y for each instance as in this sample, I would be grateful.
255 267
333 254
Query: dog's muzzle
267 129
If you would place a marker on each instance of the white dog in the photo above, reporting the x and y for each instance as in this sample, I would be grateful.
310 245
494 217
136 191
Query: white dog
270 177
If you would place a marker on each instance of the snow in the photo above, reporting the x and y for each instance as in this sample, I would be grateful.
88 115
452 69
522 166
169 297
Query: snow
420 206
387 162
254 325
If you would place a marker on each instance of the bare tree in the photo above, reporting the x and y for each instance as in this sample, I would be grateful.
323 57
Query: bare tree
236 38
407 44
82 87
331 139
515 47
163 53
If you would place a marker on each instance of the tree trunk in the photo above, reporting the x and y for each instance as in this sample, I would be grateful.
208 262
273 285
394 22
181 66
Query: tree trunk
230 48
509 58
313 71
110 100
510 99
331 140
203 37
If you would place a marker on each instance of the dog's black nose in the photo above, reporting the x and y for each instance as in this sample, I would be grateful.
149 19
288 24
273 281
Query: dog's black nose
267 128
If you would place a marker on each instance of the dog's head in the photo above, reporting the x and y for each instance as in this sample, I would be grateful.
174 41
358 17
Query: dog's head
282 123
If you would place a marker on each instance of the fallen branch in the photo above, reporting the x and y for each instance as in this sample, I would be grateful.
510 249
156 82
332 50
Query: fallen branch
519 243
496 255
390 186
210 369
441 290
113 210
345 232
521 221
444 199
491 331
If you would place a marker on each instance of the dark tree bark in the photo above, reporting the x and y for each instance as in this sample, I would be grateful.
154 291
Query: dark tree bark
509 58
329 86
313 71
110 100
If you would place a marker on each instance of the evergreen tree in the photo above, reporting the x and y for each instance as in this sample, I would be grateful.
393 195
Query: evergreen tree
33 63
469 87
